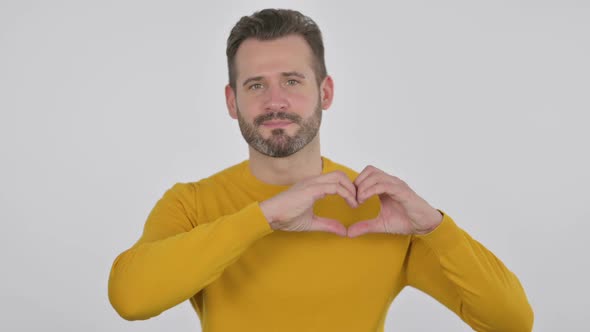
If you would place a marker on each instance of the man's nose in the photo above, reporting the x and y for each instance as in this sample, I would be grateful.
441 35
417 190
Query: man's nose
276 99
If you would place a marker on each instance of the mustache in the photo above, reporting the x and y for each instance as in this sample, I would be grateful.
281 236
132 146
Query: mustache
277 116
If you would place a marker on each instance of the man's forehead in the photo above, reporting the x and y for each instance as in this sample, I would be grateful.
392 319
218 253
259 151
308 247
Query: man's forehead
285 54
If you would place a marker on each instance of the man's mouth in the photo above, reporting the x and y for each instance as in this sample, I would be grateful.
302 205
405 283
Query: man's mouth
276 123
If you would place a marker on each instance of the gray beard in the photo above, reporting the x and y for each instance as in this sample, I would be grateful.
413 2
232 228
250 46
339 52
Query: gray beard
280 144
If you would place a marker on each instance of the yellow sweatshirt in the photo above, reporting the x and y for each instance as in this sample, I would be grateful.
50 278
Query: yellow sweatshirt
208 242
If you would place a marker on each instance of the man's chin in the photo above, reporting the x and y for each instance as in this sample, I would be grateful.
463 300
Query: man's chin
281 136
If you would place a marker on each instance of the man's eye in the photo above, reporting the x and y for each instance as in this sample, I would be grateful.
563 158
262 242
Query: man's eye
292 82
255 86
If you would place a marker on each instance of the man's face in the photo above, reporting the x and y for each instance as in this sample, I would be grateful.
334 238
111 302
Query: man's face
277 101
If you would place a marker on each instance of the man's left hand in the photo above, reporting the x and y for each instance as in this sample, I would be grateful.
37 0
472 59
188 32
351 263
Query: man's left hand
402 210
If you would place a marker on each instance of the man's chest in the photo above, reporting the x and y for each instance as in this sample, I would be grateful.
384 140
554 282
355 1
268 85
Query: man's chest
315 269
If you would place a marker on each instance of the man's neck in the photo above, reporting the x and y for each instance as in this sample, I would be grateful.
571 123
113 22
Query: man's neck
288 170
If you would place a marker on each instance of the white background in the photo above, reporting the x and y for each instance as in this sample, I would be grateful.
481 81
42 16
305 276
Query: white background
482 107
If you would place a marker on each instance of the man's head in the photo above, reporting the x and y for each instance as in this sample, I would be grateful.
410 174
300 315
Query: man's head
270 24
276 75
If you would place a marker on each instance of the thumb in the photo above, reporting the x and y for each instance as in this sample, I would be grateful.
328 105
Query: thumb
327 225
364 227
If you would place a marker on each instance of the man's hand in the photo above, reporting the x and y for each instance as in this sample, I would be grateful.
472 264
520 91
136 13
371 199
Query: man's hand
402 210
292 210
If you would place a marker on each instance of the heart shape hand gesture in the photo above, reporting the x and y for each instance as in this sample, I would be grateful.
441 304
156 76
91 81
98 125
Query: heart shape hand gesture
402 210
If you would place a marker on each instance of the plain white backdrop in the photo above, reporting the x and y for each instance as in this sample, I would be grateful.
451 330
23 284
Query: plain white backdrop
481 107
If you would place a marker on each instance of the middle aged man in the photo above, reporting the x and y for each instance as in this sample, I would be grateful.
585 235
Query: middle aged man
290 240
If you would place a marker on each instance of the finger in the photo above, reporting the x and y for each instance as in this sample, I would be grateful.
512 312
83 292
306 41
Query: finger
375 189
345 181
327 225
368 182
389 182
368 170
340 177
364 227
397 191
339 189
335 188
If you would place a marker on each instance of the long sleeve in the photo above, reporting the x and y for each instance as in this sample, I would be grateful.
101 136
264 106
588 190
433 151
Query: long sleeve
467 278
176 256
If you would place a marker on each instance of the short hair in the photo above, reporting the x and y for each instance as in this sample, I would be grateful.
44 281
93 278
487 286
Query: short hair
270 24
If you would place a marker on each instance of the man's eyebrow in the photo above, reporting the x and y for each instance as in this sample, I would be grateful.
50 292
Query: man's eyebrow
256 78
293 73
284 74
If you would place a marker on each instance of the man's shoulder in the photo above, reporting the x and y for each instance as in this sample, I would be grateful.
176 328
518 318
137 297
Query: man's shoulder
225 176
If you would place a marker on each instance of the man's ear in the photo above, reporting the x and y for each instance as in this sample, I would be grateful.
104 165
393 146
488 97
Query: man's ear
230 101
327 92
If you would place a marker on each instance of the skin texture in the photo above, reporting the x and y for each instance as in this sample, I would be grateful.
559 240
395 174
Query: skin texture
278 105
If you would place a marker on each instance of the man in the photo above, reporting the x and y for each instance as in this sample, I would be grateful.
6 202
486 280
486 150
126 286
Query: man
289 240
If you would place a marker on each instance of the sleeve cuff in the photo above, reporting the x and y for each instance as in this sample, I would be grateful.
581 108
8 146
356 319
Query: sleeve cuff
446 236
253 222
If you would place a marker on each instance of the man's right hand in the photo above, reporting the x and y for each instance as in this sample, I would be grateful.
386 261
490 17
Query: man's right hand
292 210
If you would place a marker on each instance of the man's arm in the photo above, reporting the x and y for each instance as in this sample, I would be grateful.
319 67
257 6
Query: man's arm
175 257
462 274
443 260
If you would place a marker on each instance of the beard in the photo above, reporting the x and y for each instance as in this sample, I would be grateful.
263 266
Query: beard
280 144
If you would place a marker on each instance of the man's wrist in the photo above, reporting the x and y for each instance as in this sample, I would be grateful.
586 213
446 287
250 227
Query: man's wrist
266 211
438 220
